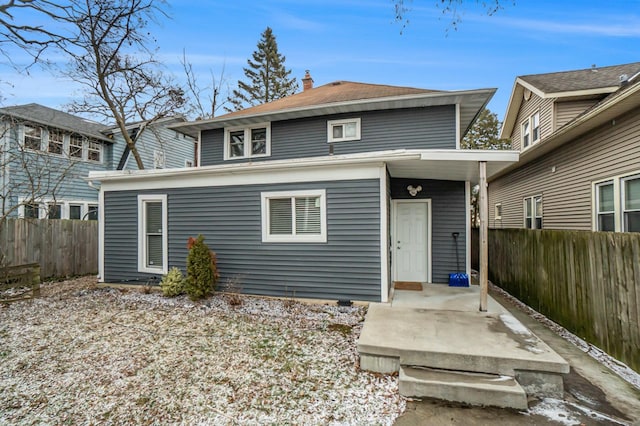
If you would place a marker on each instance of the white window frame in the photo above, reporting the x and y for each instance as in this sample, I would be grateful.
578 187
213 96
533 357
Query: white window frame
596 205
61 142
24 136
342 122
498 211
530 125
159 159
247 141
534 201
90 149
142 247
623 207
294 238
618 199
82 140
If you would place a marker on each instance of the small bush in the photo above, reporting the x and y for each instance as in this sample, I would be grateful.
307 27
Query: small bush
233 289
202 271
172 284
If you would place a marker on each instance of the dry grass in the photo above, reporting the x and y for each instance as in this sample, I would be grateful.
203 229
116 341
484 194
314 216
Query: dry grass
82 355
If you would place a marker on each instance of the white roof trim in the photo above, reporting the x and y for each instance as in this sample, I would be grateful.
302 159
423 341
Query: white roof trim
378 157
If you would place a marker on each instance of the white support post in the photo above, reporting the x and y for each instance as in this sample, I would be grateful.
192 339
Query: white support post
484 251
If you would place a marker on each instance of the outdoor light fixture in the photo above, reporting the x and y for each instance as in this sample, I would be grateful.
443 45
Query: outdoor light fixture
413 190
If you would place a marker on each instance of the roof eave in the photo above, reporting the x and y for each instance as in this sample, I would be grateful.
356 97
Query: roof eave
57 126
480 96
608 110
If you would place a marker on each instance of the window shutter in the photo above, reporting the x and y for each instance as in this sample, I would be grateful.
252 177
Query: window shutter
308 215
280 216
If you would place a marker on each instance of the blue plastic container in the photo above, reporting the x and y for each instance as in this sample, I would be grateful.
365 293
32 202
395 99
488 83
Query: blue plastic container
458 280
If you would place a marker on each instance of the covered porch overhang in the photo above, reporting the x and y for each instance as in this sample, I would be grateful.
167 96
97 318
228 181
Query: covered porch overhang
459 165
472 166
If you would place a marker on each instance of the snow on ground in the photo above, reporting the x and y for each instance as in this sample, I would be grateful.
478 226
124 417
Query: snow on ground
85 355
605 359
560 411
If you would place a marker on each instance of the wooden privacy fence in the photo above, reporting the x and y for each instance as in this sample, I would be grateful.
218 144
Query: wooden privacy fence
589 282
61 247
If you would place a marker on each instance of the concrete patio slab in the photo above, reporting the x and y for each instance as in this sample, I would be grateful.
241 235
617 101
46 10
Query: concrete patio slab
489 342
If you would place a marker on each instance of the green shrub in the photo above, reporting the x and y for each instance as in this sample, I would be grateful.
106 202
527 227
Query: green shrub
202 271
172 284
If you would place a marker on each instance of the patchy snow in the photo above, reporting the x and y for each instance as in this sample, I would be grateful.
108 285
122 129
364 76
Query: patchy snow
563 412
605 359
518 328
86 355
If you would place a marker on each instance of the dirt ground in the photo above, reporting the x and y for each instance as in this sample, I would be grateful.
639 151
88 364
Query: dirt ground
593 395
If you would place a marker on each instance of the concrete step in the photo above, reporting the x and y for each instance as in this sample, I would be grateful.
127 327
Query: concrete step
458 386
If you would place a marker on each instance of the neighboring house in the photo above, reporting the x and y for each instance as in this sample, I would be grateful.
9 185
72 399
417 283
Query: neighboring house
579 137
331 193
46 155
159 146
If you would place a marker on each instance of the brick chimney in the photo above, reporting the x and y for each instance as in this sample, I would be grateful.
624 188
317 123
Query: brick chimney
307 81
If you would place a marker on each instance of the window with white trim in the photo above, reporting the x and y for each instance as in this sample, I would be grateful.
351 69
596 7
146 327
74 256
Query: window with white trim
54 211
249 142
75 146
32 137
92 212
31 211
152 233
616 204
531 130
533 212
294 216
94 151
498 211
631 204
56 141
75 211
159 160
605 206
343 130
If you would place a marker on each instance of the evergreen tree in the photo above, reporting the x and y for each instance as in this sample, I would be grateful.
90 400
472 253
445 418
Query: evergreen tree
267 78
484 134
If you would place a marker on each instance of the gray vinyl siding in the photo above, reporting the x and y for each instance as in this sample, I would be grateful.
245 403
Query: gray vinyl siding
346 267
416 128
567 111
448 211
611 150
527 109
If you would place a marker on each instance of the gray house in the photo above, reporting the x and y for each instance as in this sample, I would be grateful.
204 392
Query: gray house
46 154
332 193
579 137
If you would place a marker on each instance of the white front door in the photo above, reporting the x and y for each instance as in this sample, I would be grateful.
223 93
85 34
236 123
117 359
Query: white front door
411 240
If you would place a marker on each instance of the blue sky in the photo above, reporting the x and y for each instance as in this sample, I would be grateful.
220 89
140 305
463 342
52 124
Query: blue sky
358 40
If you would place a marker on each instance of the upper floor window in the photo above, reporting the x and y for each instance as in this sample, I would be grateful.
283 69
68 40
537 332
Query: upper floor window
343 130
248 142
158 159
94 151
295 216
75 146
533 212
32 137
56 141
617 204
531 130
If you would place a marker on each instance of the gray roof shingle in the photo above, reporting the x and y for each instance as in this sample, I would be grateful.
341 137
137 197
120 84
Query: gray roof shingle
590 78
46 116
